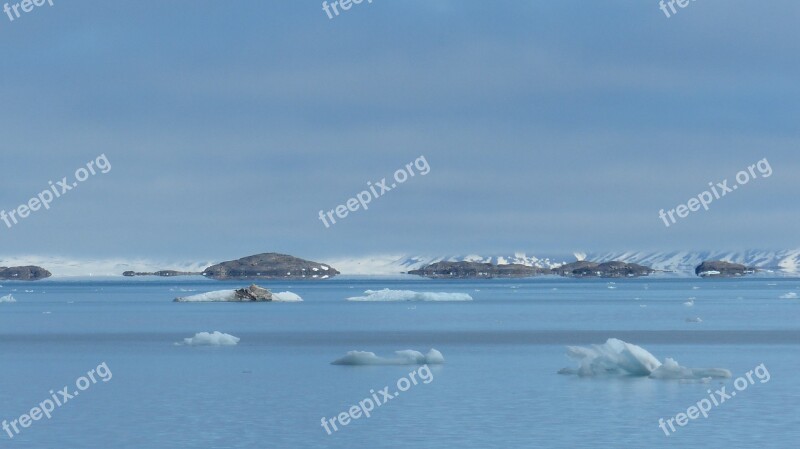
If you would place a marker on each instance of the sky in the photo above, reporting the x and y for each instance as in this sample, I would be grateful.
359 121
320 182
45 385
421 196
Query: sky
547 127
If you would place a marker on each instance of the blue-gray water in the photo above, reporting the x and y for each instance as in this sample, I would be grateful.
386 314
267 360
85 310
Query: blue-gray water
498 387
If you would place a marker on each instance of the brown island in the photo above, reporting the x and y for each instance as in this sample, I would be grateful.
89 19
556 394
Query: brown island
265 266
579 269
26 273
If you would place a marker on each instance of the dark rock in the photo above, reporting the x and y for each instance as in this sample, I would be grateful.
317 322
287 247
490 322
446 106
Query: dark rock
476 270
254 293
612 269
720 268
27 273
270 266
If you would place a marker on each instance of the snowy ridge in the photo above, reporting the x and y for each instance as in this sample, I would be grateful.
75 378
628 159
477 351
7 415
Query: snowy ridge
396 264
782 262
683 262
74 267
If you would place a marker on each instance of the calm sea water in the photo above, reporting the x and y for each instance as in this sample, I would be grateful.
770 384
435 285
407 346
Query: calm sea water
498 388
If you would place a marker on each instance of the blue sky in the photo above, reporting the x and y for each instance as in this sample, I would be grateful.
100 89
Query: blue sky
549 127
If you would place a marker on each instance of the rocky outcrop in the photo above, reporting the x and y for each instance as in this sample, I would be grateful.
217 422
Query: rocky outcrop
270 266
473 270
254 293
612 269
163 273
27 273
582 268
720 268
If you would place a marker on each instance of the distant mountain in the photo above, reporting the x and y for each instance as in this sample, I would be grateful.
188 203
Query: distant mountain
396 264
683 263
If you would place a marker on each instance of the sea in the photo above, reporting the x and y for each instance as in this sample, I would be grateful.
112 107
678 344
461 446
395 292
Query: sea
126 364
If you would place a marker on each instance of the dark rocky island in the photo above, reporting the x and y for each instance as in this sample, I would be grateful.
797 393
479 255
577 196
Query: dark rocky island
164 273
612 269
474 270
270 266
720 268
27 273
582 268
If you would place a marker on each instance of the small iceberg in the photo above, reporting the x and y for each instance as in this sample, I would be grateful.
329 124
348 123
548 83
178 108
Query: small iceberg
7 298
689 303
694 319
670 369
409 295
254 293
215 338
407 357
618 358
790 295
286 297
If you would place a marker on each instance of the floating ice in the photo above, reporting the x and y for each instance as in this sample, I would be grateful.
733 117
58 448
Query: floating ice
618 358
790 295
211 339
286 297
409 295
215 296
694 319
670 369
7 298
406 357
230 296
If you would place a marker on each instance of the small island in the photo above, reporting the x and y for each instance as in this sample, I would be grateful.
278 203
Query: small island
475 270
612 269
265 266
720 268
26 273
270 266
579 269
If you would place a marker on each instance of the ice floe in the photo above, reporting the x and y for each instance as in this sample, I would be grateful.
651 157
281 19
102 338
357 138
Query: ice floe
618 358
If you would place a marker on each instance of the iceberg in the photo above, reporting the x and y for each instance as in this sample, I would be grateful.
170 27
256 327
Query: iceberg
7 298
409 295
231 296
406 357
215 338
618 358
215 296
286 297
